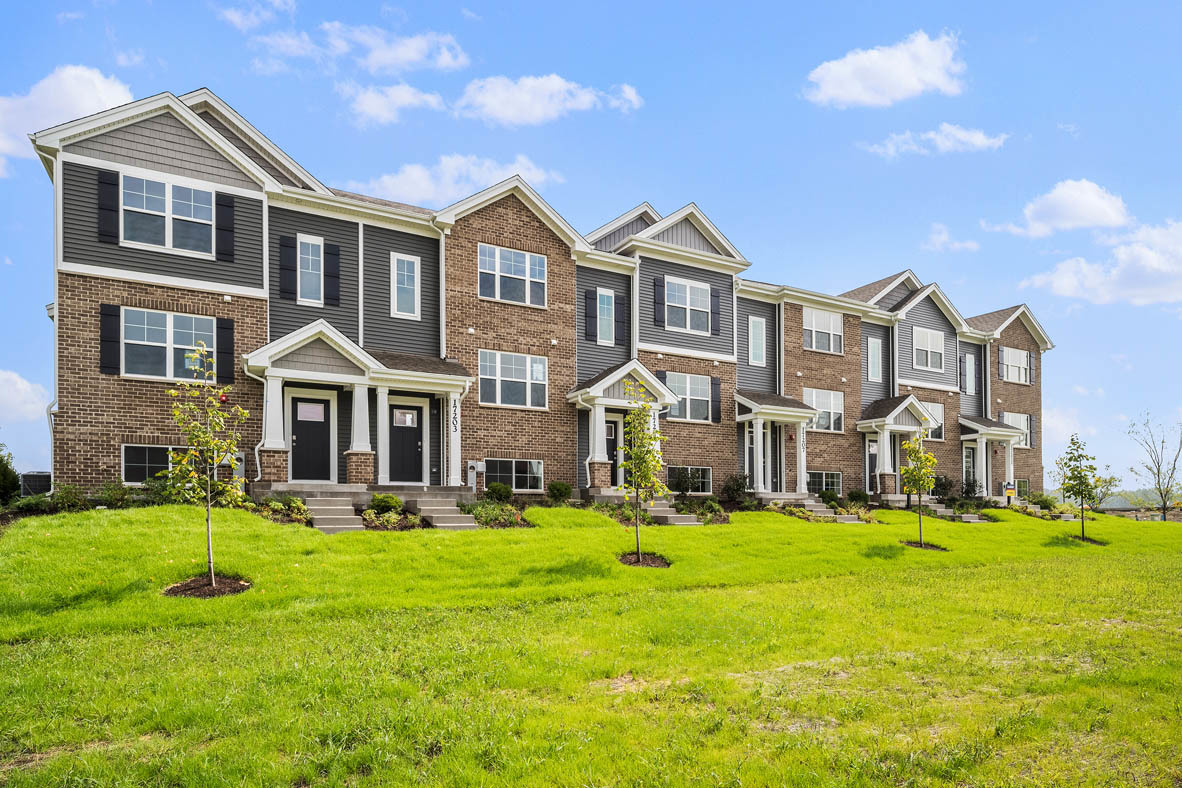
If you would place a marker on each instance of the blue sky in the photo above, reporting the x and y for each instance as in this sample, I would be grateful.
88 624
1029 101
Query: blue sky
1014 153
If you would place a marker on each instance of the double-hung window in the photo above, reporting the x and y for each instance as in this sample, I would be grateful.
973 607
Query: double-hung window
823 331
513 379
404 286
929 348
1022 422
141 463
970 374
936 428
830 407
157 344
757 341
512 275
605 312
696 476
157 213
693 396
874 359
1015 365
820 481
520 475
687 305
311 270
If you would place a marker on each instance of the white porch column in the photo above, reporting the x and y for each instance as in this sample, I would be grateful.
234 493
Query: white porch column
757 474
982 481
453 439
383 435
360 440
802 477
885 464
273 434
598 436
1009 461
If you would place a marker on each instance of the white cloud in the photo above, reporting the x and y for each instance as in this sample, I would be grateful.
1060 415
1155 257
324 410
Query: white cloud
249 16
1121 360
471 15
1059 424
21 400
377 51
881 76
129 58
69 16
940 240
948 138
290 43
453 177
383 105
1084 391
7 260
1069 128
68 92
1071 205
530 101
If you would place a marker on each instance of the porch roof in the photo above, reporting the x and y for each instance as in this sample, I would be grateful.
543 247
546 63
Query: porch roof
903 412
599 387
980 425
410 362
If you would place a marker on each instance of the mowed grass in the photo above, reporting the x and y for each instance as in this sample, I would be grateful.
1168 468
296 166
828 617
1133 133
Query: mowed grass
772 652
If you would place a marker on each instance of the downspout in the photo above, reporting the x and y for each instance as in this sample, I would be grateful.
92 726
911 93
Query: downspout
894 328
442 292
590 449
258 466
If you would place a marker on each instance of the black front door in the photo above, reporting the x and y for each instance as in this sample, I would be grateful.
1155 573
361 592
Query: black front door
311 433
613 445
872 466
406 443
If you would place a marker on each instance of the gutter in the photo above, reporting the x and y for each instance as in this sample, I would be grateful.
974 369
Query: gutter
258 466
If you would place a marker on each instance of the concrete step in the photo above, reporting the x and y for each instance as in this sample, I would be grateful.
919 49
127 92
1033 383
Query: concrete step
336 520
847 518
969 518
440 511
331 511
327 502
419 503
676 519
455 522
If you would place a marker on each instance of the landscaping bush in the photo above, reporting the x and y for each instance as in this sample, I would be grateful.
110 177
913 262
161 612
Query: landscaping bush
494 514
828 497
157 492
558 492
115 495
498 492
34 504
70 498
734 488
683 482
10 481
943 487
970 489
860 497
1042 500
622 513
384 503
391 520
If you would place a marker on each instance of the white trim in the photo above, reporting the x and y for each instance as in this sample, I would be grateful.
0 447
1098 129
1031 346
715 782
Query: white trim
841 411
680 254
600 292
156 175
685 352
315 240
772 413
1005 352
527 381
360 282
168 345
931 334
527 278
651 382
123 447
607 261
168 215
751 321
942 302
839 333
336 207
621 220
708 399
330 395
515 185
906 276
700 221
425 425
872 375
970 381
322 329
418 274
710 476
941 422
689 285
634 310
919 384
523 490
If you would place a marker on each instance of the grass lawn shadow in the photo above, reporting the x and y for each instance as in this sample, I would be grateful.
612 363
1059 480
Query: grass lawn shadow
926 546
576 569
1072 540
887 551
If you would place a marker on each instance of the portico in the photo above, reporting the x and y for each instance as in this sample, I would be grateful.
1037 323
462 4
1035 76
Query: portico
885 423
767 422
975 434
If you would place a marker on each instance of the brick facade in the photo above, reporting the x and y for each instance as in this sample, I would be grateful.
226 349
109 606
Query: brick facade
1017 398
948 451
360 467
274 464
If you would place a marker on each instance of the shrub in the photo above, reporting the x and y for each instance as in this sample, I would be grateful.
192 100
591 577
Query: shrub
859 497
828 497
749 505
1042 500
386 502
943 487
70 498
157 492
10 481
498 492
114 495
970 489
734 488
493 514
684 482
558 492
34 504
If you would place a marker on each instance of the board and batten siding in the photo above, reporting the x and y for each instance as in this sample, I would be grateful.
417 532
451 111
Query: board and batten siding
163 143
684 233
80 243
927 315
613 239
591 358
657 335
382 330
974 405
287 315
895 297
752 377
875 390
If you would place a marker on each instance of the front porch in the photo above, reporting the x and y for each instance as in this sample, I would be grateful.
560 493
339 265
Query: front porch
976 435
768 425
885 424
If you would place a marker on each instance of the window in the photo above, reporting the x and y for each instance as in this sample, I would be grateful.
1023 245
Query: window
311 270
687 305
1020 421
156 344
606 313
936 411
510 275
929 349
874 359
757 341
970 374
404 286
404 417
698 476
148 206
822 331
1023 488
1015 365
693 392
141 463
513 379
521 475
830 407
819 481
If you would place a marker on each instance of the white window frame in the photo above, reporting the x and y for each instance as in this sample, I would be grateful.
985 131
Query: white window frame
761 332
602 338
123 459
1023 373
528 277
529 380
825 478
970 374
928 406
514 460
873 359
809 323
705 476
169 181
318 241
169 346
1024 418
686 398
932 339
395 257
810 398
690 285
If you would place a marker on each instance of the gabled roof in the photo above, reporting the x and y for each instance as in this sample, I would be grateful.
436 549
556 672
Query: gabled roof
989 425
412 362
643 210
774 404
942 301
596 386
699 220
870 293
995 322
398 206
515 185
317 329
887 408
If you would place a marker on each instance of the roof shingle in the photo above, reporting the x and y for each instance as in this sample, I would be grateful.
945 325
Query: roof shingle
991 321
411 362
868 291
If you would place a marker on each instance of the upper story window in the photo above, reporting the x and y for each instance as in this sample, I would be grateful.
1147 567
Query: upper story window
404 286
929 349
687 305
757 341
512 379
605 311
693 393
830 406
311 270
1022 422
823 330
936 411
157 344
511 275
180 217
970 374
1015 365
874 359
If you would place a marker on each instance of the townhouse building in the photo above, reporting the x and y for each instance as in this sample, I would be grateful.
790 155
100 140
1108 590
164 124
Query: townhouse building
378 344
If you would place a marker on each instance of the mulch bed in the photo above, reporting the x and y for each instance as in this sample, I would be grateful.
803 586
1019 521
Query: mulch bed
927 546
402 525
200 588
646 559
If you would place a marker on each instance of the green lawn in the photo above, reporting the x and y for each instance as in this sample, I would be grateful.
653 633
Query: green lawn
773 651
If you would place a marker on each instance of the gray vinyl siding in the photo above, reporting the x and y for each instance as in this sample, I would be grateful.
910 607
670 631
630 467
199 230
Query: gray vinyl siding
684 233
80 243
974 405
166 144
245 147
613 239
394 333
875 390
584 446
894 297
751 377
344 430
657 335
317 356
927 315
592 358
286 316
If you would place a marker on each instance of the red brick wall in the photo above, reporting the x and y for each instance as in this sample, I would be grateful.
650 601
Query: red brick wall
947 452
1017 398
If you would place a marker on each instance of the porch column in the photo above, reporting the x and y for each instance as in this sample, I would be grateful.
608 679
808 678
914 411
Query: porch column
453 440
757 474
598 436
273 435
383 435
360 440
1009 461
884 452
979 471
802 476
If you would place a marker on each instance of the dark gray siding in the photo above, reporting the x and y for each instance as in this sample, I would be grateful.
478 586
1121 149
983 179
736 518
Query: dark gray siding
895 296
393 333
344 429
266 164
612 239
80 242
973 406
750 377
584 446
592 358
163 143
872 391
656 335
684 233
287 316
927 315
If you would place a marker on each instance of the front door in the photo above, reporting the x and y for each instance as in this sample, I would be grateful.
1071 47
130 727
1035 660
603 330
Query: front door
613 449
872 466
969 469
311 458
406 443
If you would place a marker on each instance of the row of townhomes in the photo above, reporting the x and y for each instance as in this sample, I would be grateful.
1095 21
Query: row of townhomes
377 343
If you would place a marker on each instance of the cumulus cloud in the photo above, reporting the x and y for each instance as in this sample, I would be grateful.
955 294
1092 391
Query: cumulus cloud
375 105
884 75
68 92
451 178
471 15
21 400
1071 205
1059 424
249 16
129 58
69 16
530 101
1084 391
940 240
376 51
948 138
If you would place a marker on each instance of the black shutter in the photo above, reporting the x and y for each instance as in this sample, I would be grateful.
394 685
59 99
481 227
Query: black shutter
224 357
332 275
224 227
1033 432
1001 363
963 373
287 267
1030 363
715 311
108 208
716 400
621 318
659 301
661 376
109 339
590 315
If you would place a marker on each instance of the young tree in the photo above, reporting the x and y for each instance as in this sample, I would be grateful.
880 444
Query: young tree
1159 468
1105 486
210 425
1076 471
642 453
10 480
920 472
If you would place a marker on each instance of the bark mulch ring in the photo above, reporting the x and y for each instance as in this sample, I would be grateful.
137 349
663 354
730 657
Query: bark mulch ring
646 559
1088 540
200 588
927 546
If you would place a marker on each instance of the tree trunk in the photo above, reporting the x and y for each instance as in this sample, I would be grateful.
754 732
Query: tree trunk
921 519
637 527
209 529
